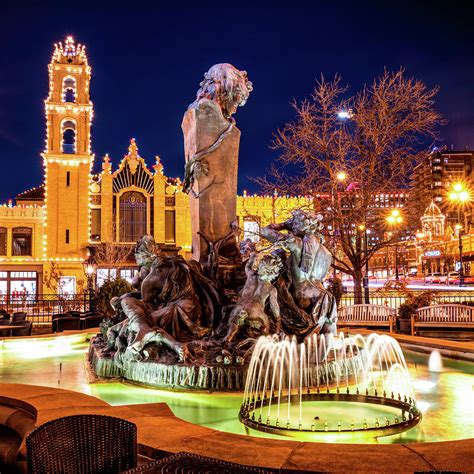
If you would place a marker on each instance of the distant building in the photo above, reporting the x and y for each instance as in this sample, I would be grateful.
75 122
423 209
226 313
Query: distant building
433 178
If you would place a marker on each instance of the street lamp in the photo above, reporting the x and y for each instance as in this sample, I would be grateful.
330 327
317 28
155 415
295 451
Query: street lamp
460 196
345 114
394 219
341 176
90 269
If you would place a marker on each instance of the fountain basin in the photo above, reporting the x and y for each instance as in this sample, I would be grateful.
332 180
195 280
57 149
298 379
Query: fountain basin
321 413
286 379
168 376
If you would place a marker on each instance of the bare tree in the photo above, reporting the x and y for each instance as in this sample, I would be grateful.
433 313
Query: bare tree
53 280
112 254
374 138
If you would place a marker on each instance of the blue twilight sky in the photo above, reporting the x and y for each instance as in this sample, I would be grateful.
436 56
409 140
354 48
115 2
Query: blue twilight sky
149 57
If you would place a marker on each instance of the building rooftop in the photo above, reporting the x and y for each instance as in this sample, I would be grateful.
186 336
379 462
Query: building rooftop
33 194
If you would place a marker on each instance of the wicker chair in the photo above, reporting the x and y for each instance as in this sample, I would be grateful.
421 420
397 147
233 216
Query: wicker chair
5 332
68 323
82 444
193 463
23 328
91 321
19 316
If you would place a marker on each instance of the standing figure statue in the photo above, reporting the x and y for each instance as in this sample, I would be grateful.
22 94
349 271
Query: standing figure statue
308 264
211 148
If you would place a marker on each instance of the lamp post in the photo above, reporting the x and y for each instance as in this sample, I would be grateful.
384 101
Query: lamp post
460 196
393 219
340 178
90 269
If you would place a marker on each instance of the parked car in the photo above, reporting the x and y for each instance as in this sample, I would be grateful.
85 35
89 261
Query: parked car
452 278
469 279
433 278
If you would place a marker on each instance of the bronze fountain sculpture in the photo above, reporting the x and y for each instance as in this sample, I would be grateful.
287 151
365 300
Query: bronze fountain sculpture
193 324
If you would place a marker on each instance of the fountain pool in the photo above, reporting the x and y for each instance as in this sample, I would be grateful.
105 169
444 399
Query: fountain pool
444 398
326 385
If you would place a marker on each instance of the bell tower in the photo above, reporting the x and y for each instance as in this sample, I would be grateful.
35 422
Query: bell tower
67 156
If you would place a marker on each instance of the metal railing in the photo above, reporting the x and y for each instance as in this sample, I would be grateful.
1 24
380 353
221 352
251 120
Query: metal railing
40 308
394 300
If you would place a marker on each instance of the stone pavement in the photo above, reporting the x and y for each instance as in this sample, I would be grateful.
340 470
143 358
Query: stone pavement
161 431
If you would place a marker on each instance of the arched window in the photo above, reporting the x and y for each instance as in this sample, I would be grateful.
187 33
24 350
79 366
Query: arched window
21 243
132 216
69 136
69 90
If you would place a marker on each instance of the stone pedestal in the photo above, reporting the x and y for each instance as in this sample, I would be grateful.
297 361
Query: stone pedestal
213 201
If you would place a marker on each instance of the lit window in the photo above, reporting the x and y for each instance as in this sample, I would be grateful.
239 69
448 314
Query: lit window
105 274
251 230
170 226
3 241
132 216
67 285
21 243
127 274
95 224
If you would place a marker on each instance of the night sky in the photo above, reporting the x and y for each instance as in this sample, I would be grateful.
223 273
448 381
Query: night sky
148 61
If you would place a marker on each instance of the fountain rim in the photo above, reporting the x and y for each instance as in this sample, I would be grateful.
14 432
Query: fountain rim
406 405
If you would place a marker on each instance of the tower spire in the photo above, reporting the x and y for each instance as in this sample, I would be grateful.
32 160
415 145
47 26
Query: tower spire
69 52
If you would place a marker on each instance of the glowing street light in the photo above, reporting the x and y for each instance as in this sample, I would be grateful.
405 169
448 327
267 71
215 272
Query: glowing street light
345 114
395 218
90 269
341 176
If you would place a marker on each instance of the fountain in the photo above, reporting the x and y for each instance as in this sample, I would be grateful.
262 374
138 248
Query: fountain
435 362
210 323
290 382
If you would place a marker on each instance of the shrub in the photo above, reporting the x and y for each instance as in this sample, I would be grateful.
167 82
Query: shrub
107 291
413 302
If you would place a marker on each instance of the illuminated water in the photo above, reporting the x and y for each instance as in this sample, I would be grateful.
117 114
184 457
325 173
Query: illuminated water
445 398
346 366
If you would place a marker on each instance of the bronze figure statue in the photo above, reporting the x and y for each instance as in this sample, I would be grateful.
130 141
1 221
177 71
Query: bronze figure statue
309 262
248 317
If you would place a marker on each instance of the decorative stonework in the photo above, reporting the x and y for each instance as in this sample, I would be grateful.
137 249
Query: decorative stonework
133 172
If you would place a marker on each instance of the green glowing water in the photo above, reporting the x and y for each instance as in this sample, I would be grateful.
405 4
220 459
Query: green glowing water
445 398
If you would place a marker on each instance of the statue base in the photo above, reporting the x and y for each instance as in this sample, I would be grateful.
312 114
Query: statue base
166 376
